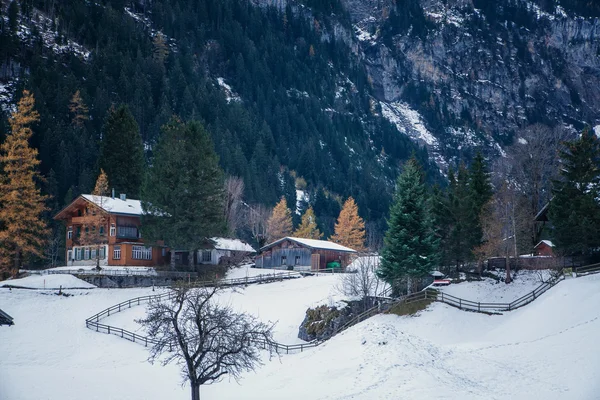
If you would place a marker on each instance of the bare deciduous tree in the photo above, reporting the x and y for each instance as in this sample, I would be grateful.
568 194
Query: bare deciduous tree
362 282
206 339
532 162
234 191
257 217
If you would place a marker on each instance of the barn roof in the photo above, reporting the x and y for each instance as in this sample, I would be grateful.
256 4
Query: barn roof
231 244
546 242
5 319
313 244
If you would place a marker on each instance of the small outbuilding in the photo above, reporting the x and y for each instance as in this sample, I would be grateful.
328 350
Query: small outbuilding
224 251
544 248
5 319
301 254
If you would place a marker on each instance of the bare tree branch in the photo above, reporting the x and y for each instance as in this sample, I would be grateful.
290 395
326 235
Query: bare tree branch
207 340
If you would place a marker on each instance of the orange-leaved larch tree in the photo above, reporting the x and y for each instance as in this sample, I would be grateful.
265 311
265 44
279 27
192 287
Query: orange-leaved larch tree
96 220
350 227
308 227
280 222
23 232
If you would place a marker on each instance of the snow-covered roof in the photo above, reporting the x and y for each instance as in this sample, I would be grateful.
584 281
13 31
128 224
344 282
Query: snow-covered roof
436 274
115 205
231 244
546 242
314 244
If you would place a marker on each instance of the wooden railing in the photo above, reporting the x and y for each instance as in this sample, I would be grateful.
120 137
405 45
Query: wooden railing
587 269
93 322
484 307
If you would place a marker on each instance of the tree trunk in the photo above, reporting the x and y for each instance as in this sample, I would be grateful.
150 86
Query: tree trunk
17 259
195 391
508 278
191 260
173 260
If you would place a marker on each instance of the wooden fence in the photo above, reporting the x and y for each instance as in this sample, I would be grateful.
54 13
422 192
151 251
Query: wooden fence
93 322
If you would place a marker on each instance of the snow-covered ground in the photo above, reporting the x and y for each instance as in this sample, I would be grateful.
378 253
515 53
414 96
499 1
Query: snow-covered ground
545 350
245 271
48 282
491 291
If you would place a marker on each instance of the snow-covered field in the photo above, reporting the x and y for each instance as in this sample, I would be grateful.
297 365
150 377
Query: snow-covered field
545 350
491 291
48 282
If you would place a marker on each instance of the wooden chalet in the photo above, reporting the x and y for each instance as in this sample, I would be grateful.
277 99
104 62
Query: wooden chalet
119 239
301 254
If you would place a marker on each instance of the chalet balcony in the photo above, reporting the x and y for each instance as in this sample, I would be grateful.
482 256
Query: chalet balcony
127 232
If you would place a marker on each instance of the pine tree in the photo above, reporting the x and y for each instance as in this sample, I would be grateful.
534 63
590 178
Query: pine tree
122 152
280 223
23 233
350 227
410 246
79 111
183 193
96 219
463 218
161 49
308 227
480 189
575 208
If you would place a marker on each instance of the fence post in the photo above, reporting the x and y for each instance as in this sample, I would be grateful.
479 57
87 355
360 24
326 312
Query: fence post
509 306
109 329
442 297
460 303
478 306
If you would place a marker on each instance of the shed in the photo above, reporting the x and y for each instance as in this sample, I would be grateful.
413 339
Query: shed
5 319
224 251
301 254
544 248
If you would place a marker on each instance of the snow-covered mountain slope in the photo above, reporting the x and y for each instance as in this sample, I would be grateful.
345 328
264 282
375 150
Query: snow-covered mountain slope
547 348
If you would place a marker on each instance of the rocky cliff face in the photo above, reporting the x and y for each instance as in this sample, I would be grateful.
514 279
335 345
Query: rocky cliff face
477 73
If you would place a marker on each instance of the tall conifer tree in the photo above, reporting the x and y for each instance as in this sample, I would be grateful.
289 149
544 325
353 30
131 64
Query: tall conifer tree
350 227
183 192
280 223
575 208
23 232
410 246
122 152
308 227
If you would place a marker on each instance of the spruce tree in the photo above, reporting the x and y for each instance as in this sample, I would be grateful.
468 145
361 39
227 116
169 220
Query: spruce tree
575 209
308 227
350 227
122 152
23 232
183 193
480 189
279 224
410 246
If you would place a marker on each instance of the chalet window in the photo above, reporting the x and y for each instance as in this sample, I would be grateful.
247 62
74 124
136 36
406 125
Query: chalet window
113 230
78 231
283 260
78 253
93 254
69 255
102 253
70 232
102 230
141 253
117 253
79 213
164 252
206 256
87 229
86 254
297 261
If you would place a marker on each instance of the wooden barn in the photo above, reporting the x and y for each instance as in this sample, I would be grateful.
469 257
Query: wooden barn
301 254
544 248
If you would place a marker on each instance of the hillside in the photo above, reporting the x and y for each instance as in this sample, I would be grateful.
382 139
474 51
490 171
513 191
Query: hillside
339 92
544 348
